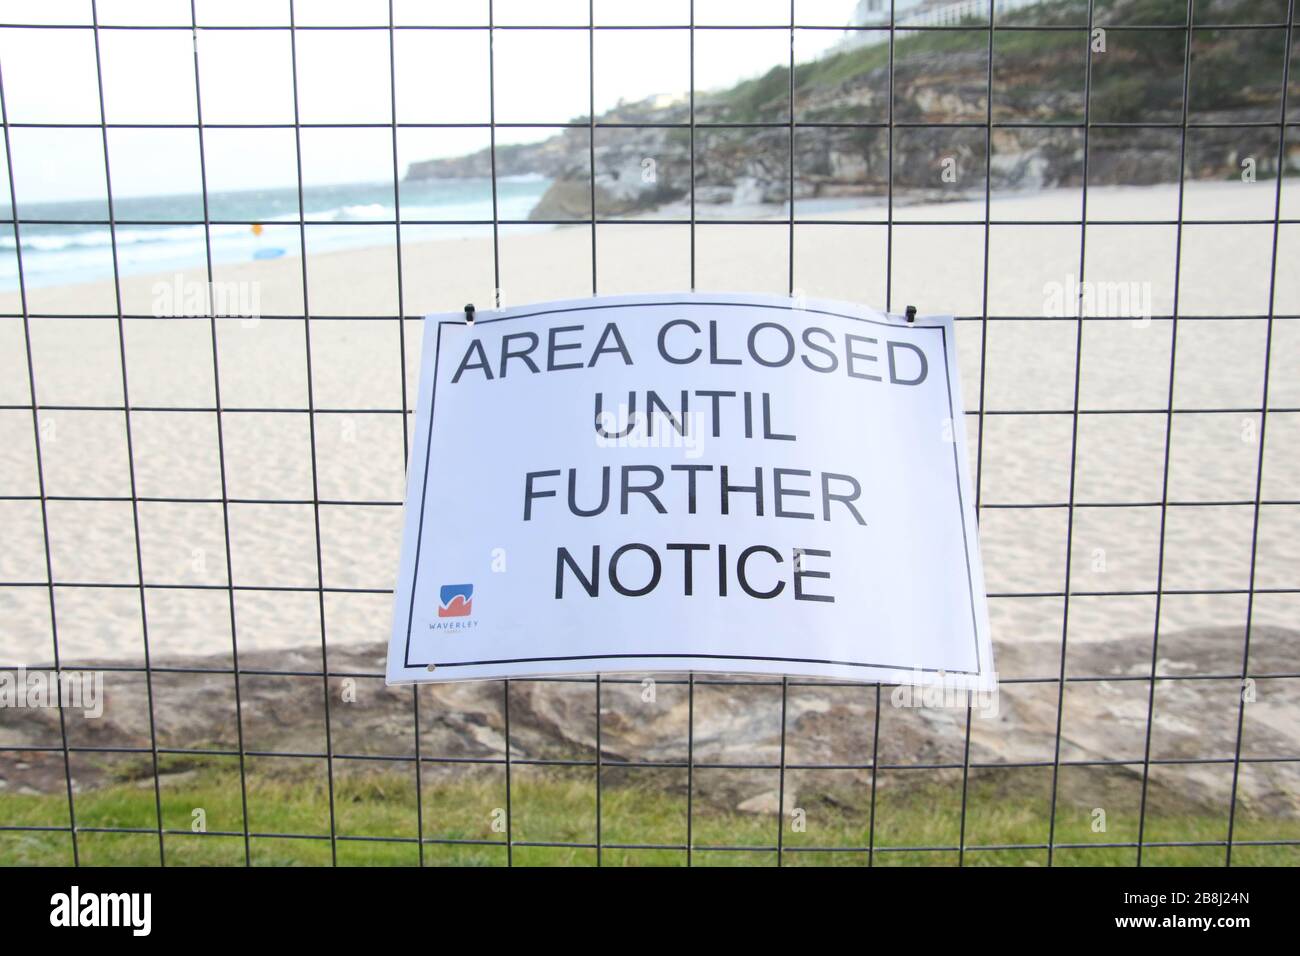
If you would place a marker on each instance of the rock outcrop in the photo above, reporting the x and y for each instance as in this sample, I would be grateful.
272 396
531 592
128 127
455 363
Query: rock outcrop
736 720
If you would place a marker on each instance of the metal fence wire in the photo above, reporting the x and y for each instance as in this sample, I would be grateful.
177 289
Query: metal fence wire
430 827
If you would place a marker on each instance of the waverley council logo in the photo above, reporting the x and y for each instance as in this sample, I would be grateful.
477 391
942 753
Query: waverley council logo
456 600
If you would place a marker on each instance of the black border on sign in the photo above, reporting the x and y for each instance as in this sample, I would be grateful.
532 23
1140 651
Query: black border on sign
424 491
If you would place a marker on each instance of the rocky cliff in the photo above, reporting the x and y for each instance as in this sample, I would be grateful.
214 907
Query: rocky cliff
939 78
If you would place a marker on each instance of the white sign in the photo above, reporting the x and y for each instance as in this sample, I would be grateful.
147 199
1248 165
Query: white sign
690 482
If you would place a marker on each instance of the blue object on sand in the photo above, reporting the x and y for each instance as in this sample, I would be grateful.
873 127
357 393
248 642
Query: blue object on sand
273 252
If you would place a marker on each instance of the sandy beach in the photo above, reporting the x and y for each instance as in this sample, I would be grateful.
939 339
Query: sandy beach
359 388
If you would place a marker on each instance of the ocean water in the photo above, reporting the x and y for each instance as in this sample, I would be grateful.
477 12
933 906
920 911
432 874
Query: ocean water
70 242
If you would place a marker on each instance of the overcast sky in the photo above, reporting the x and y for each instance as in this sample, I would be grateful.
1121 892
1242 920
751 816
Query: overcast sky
246 77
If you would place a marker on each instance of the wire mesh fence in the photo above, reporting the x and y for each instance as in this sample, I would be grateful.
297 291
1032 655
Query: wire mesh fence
1135 466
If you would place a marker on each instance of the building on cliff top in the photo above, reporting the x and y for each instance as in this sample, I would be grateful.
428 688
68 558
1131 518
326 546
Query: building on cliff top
913 13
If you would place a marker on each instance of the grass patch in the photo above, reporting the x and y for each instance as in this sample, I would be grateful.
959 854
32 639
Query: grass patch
376 822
